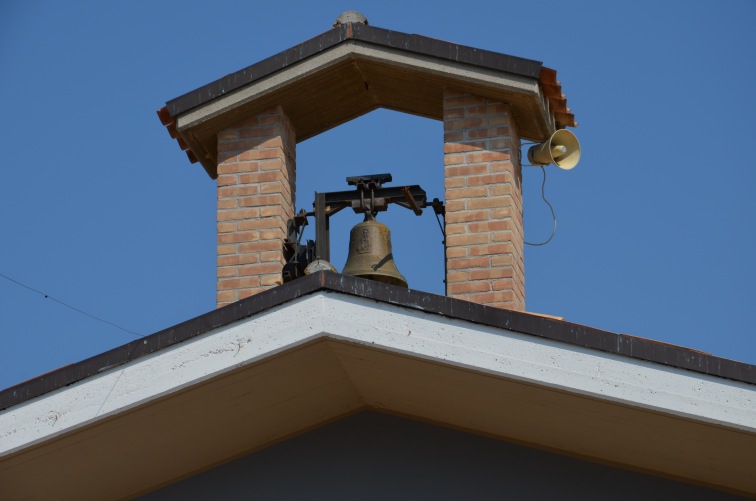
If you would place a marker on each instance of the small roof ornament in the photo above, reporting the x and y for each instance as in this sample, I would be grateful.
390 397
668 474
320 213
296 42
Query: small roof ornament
350 16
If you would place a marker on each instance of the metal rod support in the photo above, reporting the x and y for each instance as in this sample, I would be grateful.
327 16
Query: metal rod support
322 237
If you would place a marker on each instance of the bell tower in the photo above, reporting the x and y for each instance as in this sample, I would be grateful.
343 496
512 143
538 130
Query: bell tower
243 130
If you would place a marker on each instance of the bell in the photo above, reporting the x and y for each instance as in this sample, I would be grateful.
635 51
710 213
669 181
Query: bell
370 253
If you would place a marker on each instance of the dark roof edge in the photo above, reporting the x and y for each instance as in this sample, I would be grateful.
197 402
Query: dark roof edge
354 31
526 323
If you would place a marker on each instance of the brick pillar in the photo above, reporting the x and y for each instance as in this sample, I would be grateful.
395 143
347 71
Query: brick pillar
256 197
484 235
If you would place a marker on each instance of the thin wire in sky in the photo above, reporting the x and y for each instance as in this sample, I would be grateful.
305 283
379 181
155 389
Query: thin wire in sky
48 296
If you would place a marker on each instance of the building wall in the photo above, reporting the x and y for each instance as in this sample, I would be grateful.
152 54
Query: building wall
377 456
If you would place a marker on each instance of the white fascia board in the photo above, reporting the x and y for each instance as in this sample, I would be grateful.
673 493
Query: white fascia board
502 82
488 350
161 373
548 363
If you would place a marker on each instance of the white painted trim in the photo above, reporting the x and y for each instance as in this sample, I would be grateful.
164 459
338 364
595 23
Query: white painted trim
501 81
488 350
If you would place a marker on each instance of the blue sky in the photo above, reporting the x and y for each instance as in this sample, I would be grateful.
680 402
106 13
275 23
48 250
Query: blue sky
100 209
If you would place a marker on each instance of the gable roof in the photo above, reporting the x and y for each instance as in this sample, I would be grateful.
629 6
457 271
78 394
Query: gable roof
522 322
353 69
318 348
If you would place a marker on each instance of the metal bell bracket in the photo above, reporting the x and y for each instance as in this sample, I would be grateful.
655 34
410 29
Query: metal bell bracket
369 197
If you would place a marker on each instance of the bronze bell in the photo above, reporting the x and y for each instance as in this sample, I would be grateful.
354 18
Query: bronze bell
370 253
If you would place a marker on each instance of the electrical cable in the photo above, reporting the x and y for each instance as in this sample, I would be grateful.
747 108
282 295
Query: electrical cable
47 296
553 215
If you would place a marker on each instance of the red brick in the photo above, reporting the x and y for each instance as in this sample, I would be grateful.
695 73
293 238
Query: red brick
254 154
507 236
237 259
451 114
468 287
262 224
503 189
271 234
465 263
491 273
486 133
452 252
227 157
487 250
245 293
274 187
259 269
237 168
227 204
505 284
467 239
489 202
466 193
465 123
501 144
262 201
231 215
502 166
274 142
486 156
270 256
272 165
226 249
454 182
503 213
272 210
466 170
489 179
238 283
455 205
504 260
260 245
454 159
488 226
226 227
227 179
455 229
226 297
229 271
262 177
239 236
465 216
237 191
457 276
459 148
453 136
492 297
